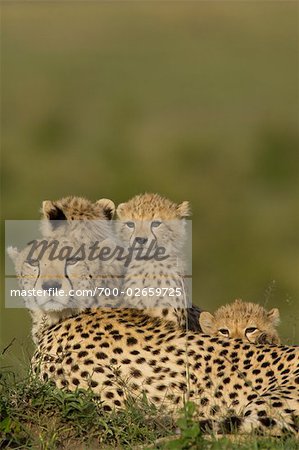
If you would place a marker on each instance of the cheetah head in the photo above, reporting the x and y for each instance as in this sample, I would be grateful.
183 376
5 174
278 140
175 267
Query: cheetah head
51 277
149 219
242 320
78 217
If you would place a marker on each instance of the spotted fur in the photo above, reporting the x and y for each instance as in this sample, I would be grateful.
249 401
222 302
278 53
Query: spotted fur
242 320
124 353
69 222
153 221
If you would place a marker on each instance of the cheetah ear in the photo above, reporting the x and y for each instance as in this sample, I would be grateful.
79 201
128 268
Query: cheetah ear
206 322
183 209
13 253
120 210
274 316
51 211
108 207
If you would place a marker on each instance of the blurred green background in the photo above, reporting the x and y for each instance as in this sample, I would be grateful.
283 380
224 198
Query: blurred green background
195 100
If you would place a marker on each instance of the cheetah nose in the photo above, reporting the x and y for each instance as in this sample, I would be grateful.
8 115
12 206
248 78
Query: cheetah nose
54 284
141 240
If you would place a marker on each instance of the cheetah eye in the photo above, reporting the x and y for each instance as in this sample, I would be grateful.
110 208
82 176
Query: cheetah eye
130 224
250 330
224 331
156 223
72 261
32 262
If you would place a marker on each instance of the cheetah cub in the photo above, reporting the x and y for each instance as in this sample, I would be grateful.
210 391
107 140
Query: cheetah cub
242 320
157 285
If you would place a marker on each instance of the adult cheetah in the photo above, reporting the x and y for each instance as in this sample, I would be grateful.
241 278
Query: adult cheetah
68 223
242 320
119 353
89 224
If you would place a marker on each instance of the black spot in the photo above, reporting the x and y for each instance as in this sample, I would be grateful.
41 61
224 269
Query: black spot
88 362
277 404
101 355
131 341
118 350
107 408
117 337
140 360
170 348
104 345
233 395
206 426
265 364
231 424
180 362
267 422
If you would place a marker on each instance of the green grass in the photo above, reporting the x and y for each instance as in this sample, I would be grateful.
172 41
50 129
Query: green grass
36 415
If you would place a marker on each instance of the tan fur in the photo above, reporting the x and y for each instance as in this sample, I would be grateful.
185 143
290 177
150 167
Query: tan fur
242 320
78 208
123 354
71 221
142 212
152 206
